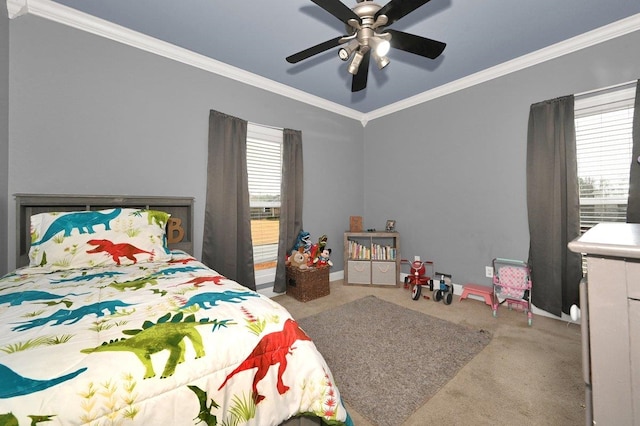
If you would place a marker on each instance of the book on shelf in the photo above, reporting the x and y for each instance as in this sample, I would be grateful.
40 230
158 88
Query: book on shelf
359 251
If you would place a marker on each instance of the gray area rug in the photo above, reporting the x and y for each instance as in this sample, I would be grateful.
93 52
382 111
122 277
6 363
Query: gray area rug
388 360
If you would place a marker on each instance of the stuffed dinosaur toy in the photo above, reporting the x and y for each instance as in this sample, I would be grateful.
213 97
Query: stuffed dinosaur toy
317 249
303 241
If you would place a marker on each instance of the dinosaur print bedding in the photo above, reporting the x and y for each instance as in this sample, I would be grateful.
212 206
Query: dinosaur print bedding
160 342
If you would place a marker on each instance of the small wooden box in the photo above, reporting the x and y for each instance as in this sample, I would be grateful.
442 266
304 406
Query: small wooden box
307 284
355 223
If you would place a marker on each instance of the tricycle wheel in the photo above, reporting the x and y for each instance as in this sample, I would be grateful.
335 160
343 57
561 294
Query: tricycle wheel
415 292
448 298
437 296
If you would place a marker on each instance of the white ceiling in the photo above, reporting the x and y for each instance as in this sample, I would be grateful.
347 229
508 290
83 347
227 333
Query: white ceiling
250 39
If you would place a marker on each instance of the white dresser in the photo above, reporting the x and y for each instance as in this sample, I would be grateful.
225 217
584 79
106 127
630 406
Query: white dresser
611 350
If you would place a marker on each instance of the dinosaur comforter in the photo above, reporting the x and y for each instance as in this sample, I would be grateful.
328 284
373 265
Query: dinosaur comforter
166 342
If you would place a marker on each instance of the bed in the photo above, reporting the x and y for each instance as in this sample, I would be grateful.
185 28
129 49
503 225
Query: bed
110 320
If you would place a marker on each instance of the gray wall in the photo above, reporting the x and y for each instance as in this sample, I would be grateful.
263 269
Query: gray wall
4 137
457 184
91 116
107 118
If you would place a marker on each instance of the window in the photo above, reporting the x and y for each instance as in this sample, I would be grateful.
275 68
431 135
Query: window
264 168
603 147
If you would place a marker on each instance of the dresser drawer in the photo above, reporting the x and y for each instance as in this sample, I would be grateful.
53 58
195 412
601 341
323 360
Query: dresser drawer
633 280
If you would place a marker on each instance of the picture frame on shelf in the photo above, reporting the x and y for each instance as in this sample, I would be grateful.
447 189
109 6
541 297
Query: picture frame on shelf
391 225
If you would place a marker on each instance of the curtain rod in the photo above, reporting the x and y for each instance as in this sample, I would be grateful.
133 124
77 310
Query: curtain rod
267 126
606 89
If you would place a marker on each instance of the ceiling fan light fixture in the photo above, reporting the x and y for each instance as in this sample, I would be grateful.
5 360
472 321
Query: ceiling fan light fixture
381 61
355 62
367 35
382 47
346 52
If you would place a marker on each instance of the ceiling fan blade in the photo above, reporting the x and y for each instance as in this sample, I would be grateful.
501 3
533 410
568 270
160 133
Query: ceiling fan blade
359 81
396 9
314 50
415 44
338 9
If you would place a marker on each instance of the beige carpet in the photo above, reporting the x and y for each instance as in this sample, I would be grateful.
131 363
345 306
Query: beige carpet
525 376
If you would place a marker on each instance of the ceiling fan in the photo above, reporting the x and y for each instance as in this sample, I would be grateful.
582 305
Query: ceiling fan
368 35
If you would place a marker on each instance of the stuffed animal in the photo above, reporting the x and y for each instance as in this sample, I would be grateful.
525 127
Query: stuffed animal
298 259
322 243
323 258
317 249
303 241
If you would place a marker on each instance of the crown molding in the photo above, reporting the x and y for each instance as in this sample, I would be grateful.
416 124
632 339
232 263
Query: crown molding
71 17
16 8
591 38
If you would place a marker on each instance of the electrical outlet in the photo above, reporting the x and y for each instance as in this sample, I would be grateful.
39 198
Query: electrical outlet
488 271
416 258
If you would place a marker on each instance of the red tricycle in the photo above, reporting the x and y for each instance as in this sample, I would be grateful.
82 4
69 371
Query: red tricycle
421 273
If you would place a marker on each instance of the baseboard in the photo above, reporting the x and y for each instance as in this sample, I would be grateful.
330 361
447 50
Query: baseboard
457 289
267 290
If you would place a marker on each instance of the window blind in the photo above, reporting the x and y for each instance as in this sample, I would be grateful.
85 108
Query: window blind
604 143
264 164
264 170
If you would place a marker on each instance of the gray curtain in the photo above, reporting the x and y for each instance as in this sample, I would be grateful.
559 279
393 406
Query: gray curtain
633 204
226 243
553 205
291 202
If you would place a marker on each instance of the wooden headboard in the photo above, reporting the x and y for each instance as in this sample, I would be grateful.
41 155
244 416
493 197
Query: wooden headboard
179 227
